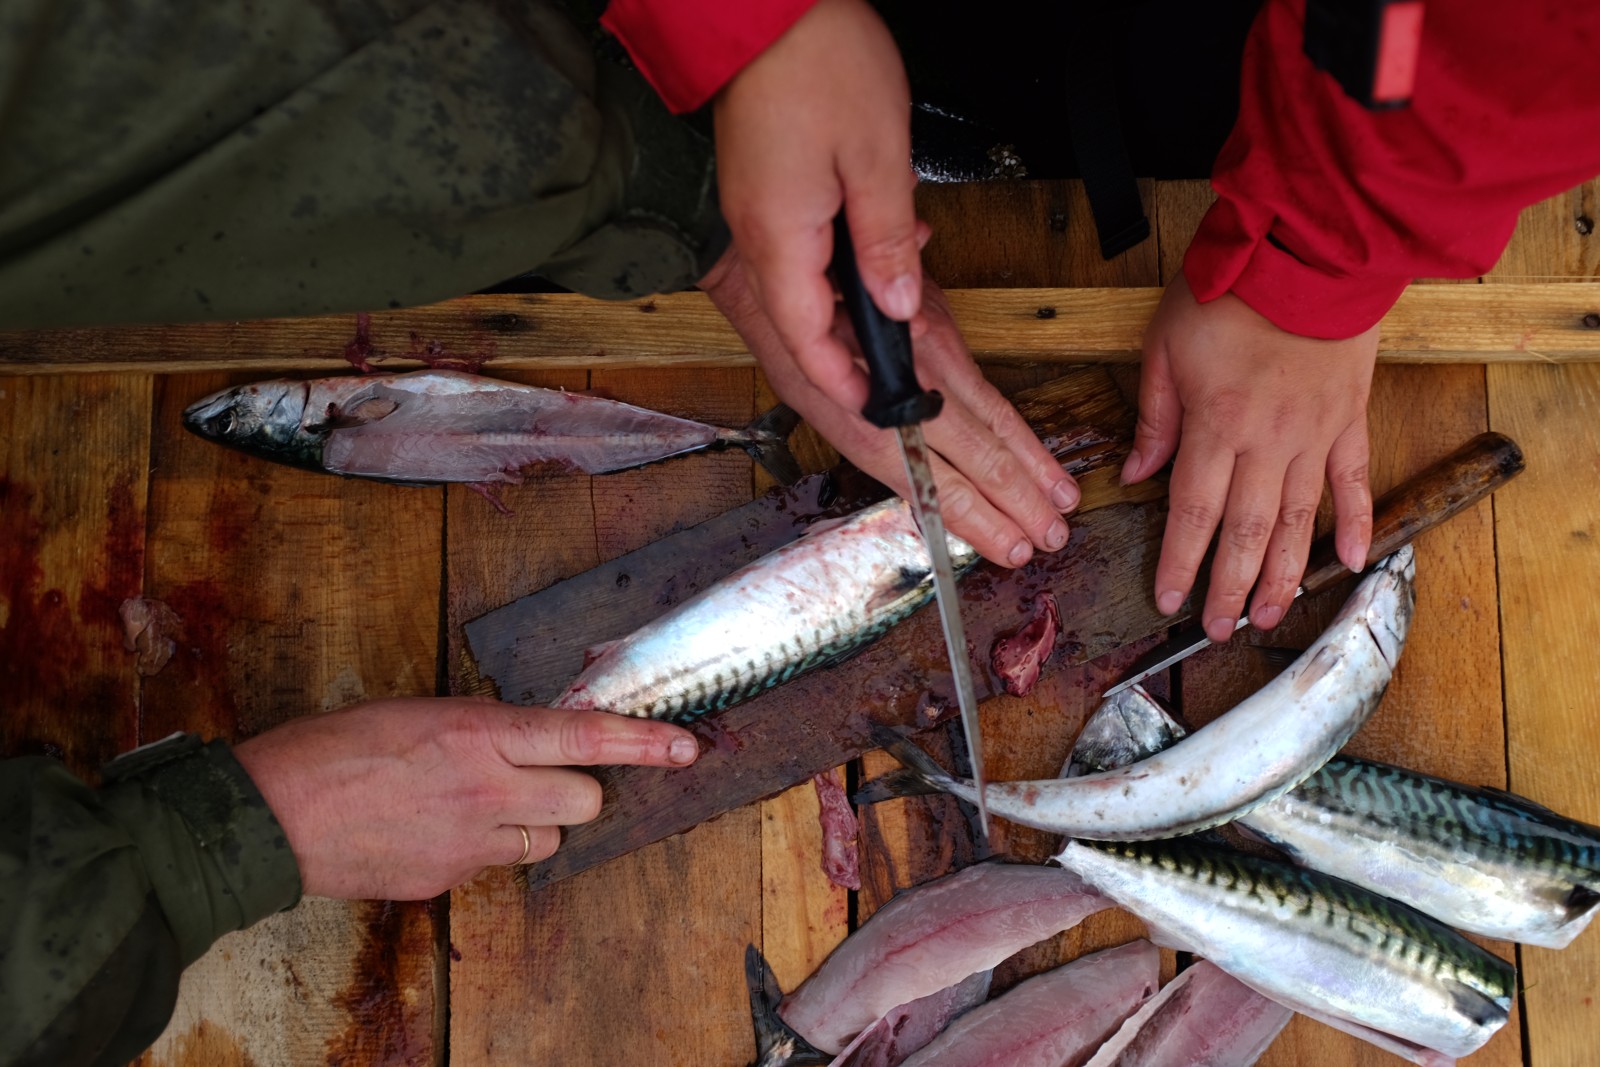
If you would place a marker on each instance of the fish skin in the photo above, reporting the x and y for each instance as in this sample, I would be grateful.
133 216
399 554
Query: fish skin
1265 746
1202 1018
1480 860
929 938
807 604
1339 953
437 426
1054 1019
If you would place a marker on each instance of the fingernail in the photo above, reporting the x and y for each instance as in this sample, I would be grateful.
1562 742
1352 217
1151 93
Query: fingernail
1065 495
1169 602
1267 617
1056 536
683 750
1021 552
901 298
1219 629
1130 466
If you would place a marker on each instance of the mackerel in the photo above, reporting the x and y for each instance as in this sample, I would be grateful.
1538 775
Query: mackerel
1324 947
1481 860
928 939
1054 1019
1255 753
435 426
813 602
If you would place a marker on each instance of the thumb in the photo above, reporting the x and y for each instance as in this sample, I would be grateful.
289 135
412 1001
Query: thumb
1155 438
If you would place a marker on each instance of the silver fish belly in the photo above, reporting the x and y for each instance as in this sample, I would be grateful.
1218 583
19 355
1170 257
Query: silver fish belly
810 603
1256 752
1324 947
1484 861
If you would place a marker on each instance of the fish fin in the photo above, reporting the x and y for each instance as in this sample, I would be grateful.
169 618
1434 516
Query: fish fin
901 783
908 581
1580 901
920 776
767 441
777 1045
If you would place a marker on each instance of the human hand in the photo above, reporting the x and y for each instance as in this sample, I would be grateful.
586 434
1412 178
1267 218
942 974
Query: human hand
820 120
403 799
999 488
1261 414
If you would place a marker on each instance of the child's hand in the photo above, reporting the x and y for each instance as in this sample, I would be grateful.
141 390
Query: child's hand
1261 414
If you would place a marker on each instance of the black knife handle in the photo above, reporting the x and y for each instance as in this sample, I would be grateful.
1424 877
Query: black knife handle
894 397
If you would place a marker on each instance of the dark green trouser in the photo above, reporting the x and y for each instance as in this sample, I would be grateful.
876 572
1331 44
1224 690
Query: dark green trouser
106 895
170 160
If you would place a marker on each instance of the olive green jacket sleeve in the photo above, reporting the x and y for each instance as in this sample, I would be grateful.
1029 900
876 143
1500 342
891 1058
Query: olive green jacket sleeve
106 895
180 160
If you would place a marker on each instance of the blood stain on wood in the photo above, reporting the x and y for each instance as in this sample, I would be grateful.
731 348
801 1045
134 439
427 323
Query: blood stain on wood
375 1001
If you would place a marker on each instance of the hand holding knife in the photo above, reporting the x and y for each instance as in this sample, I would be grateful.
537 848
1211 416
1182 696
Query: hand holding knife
895 401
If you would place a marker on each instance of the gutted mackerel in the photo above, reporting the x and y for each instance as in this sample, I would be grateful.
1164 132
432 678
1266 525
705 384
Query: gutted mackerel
930 938
1202 1018
1481 860
1256 752
1328 949
1055 1019
813 602
448 426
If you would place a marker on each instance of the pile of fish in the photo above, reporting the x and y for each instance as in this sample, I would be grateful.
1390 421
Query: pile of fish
434 426
1356 928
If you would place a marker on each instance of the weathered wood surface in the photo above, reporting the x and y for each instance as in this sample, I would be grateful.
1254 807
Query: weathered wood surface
1547 530
1517 323
298 593
636 962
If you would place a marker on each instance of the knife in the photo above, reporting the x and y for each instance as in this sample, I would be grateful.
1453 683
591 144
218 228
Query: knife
895 401
1450 486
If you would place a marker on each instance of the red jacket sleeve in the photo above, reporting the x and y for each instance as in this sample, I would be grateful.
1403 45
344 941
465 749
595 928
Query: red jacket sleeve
1327 210
689 49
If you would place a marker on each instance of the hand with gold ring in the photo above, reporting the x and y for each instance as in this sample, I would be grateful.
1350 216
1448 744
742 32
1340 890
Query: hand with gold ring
406 798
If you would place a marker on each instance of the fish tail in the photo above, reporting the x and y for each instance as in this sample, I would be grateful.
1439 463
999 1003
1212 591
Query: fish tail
777 1045
767 441
919 777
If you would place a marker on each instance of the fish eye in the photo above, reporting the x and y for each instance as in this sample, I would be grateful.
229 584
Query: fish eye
225 423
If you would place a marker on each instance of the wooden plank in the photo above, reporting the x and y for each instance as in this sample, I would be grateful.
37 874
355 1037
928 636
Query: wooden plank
1549 553
1544 572
1442 712
73 484
639 962
1180 205
298 593
1531 323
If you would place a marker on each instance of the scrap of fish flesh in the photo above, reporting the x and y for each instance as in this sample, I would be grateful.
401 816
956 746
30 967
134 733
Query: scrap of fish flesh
1256 752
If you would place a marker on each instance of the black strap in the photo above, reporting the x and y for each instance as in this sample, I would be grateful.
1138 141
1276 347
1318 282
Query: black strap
1095 121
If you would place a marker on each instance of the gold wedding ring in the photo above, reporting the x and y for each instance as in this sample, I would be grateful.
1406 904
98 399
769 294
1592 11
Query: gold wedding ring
527 846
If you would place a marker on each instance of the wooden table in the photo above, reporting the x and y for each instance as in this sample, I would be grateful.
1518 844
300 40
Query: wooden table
301 593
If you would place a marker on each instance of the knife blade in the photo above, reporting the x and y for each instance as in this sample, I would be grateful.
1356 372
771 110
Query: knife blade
896 401
1423 501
